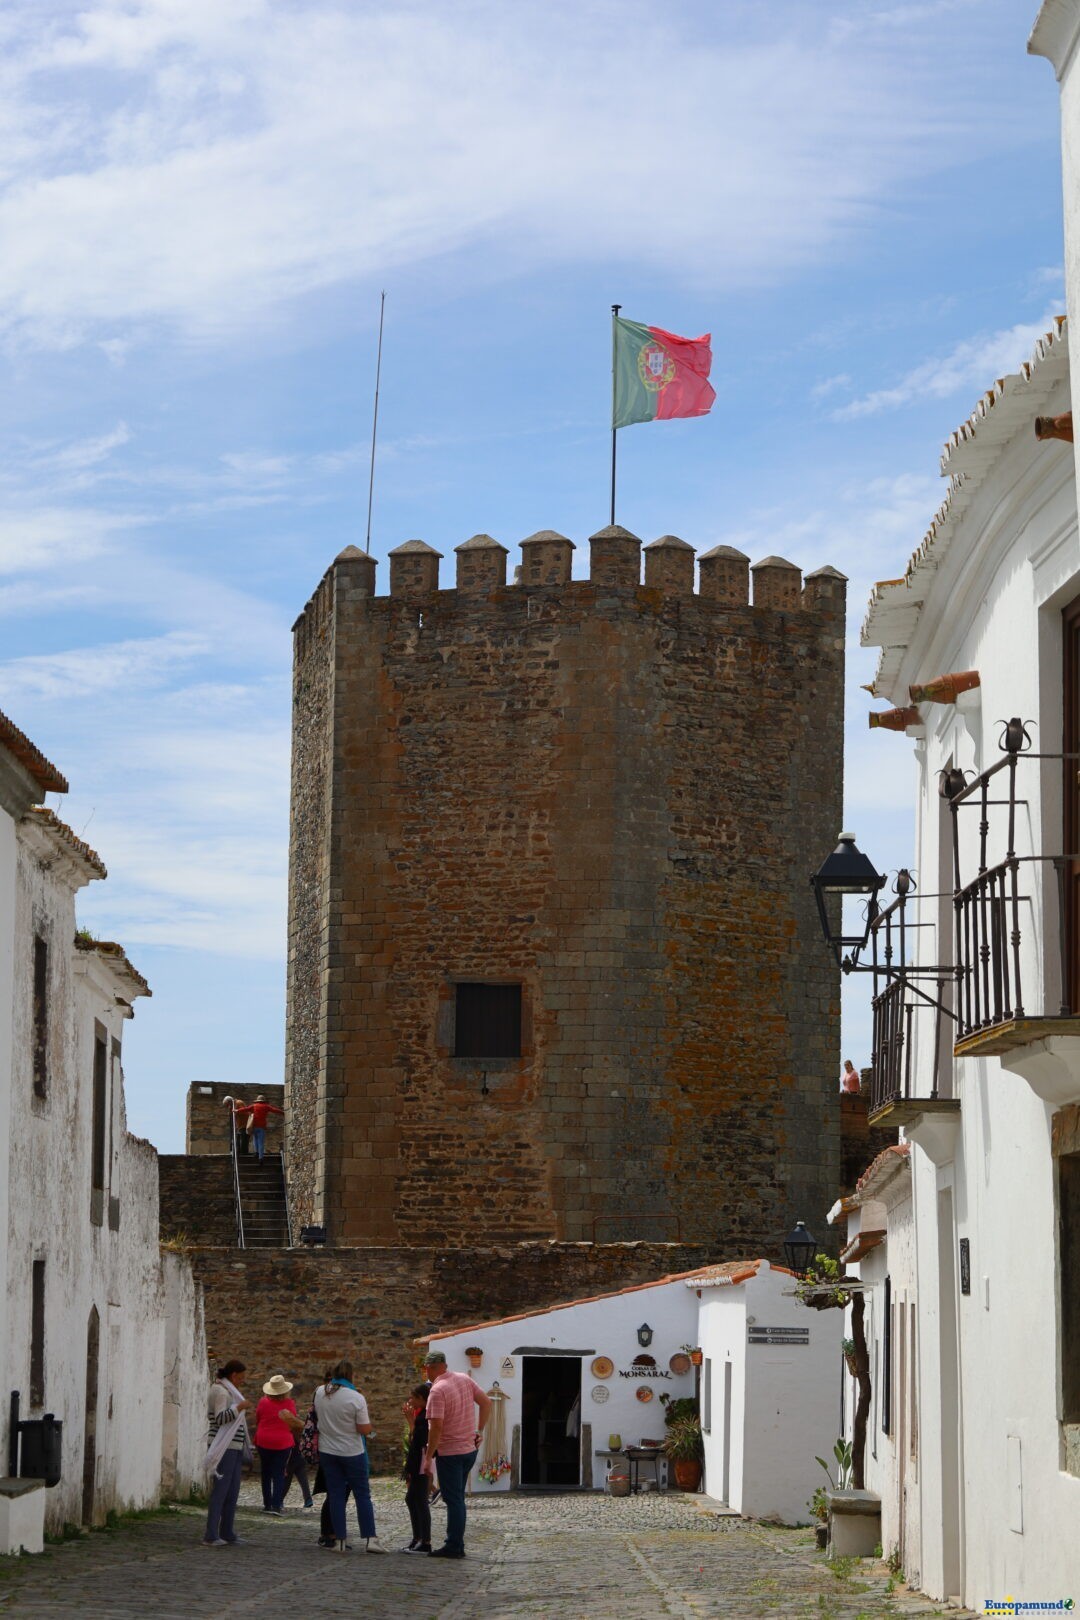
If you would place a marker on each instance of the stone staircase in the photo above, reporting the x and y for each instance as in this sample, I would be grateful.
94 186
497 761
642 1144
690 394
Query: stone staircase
262 1202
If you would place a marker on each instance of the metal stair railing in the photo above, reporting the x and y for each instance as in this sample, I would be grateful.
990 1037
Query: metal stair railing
236 1178
285 1201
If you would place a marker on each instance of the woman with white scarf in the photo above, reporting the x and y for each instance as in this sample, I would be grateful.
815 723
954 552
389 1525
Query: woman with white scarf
228 1446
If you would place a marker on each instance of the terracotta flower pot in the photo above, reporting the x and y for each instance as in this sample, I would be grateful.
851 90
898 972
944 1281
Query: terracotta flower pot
475 1361
687 1473
697 1357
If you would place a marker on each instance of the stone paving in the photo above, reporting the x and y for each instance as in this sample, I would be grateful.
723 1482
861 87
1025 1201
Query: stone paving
530 1558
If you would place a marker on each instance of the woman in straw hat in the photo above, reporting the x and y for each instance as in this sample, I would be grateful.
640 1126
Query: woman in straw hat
276 1425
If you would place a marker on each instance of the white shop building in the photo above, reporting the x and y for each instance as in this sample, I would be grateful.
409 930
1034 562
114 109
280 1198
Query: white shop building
576 1383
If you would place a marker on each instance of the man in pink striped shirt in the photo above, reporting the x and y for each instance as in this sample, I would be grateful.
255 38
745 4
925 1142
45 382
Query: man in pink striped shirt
457 1411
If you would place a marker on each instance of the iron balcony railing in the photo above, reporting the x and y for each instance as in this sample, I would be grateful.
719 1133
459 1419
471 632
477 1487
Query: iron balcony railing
992 908
984 987
905 995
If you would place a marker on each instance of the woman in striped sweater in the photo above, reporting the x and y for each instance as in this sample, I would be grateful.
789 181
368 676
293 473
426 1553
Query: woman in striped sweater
228 1444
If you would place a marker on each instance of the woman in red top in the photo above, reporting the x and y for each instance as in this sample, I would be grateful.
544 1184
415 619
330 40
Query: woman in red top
259 1112
276 1423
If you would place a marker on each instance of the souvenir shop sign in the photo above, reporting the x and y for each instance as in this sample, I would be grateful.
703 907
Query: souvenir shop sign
644 1372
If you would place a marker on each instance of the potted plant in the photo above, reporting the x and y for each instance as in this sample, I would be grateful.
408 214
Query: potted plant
819 1511
685 1450
694 1351
475 1354
848 1347
678 1407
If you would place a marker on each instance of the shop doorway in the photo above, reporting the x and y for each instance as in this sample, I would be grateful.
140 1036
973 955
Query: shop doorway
551 1422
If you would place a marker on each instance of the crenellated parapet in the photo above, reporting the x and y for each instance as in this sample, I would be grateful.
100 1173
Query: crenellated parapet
616 559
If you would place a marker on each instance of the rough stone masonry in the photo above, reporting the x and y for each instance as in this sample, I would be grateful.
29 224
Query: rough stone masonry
606 796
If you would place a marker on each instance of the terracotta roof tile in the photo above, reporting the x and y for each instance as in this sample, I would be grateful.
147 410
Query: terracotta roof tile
1003 411
899 1150
861 1244
732 1271
48 818
45 774
116 955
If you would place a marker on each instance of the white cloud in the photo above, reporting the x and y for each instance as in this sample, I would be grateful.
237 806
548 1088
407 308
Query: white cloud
830 385
973 364
201 162
44 537
85 453
84 671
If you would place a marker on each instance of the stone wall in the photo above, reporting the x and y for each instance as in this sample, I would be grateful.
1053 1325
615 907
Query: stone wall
208 1118
613 795
300 1310
860 1143
196 1198
309 832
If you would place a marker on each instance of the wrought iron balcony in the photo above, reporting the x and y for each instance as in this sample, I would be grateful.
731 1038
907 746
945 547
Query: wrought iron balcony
998 1003
905 996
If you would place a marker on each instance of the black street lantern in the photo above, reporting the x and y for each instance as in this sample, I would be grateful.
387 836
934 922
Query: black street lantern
644 1334
846 871
799 1249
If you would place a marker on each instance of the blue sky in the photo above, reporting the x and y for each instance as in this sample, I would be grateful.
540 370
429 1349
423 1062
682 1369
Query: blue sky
200 201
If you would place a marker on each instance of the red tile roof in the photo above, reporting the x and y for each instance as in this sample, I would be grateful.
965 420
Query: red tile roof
726 1271
861 1244
899 1150
17 743
116 955
48 818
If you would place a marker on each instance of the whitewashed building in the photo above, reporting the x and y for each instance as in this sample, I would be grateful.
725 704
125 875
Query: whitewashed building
770 1387
573 1378
880 1253
970 1243
102 1329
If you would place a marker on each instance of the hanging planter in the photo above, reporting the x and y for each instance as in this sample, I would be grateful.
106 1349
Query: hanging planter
475 1355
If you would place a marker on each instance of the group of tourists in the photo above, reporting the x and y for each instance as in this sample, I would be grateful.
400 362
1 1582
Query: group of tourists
446 1415
251 1122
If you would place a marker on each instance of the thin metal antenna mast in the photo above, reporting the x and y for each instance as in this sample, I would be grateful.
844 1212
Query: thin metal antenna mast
375 422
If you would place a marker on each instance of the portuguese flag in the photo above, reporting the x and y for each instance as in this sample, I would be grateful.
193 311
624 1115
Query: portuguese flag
659 375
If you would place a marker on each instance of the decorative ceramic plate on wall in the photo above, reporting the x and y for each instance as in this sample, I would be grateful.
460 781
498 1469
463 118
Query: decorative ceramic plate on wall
600 1393
679 1363
644 1393
603 1367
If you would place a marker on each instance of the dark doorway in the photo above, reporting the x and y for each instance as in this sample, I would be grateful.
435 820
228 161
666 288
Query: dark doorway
93 1347
1070 968
550 1406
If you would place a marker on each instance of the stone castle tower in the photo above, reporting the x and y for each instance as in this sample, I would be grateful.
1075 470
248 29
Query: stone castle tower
554 970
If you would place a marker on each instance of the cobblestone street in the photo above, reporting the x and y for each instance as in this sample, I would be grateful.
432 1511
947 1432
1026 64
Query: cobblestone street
530 1558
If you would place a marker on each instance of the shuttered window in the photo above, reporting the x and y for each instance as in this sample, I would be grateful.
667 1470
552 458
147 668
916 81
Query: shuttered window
488 1021
41 1016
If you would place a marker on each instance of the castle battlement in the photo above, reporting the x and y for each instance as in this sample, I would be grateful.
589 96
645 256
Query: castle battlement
615 563
549 973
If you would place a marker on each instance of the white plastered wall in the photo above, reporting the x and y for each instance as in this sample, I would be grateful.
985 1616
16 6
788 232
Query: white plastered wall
992 604
785 1401
606 1326
115 1270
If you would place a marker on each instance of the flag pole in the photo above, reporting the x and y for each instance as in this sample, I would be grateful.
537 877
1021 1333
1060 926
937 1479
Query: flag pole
615 308
375 422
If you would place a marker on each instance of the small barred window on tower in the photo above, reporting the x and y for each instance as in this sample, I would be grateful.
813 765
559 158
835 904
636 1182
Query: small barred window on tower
488 1021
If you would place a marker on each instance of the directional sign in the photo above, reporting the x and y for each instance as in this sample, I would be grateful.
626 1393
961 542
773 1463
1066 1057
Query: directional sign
780 1335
